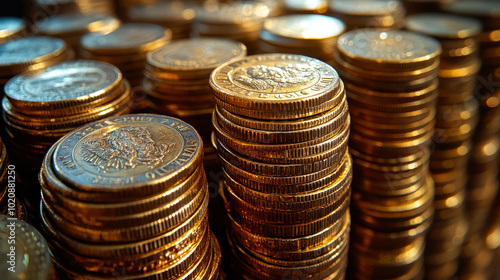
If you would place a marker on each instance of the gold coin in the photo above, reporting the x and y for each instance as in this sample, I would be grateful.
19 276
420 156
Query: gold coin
76 24
252 83
10 28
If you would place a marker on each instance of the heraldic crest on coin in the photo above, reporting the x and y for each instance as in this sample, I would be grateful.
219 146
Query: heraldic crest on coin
275 78
124 148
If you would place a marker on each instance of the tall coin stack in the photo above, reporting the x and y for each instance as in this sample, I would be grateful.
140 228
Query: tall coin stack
456 118
281 128
30 258
126 47
391 84
310 35
42 106
30 54
174 15
239 21
483 170
71 27
381 14
11 28
177 83
126 197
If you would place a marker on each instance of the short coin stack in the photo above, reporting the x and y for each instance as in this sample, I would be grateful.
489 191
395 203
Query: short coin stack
484 162
11 28
30 258
391 85
125 47
281 128
174 15
127 197
456 117
29 54
42 106
381 14
177 81
310 35
239 21
71 27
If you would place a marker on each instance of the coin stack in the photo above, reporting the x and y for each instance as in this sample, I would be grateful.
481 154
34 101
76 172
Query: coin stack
76 6
281 127
174 15
483 167
177 82
382 14
30 258
125 47
71 27
29 54
310 35
127 197
11 28
391 84
42 106
306 7
456 117
239 21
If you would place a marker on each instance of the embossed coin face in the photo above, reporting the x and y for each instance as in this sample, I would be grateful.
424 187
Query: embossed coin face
388 46
28 49
444 25
263 81
128 152
10 25
70 80
305 26
128 36
196 54
76 22
25 254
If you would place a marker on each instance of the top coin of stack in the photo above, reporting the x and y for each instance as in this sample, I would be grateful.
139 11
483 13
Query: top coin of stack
125 47
306 7
174 15
29 54
71 27
310 35
76 6
391 85
239 21
11 28
369 14
281 127
30 258
127 196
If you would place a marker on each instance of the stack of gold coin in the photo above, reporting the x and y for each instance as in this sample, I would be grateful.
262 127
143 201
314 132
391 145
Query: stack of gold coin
391 84
177 81
174 15
71 27
310 35
42 106
281 127
76 6
127 197
126 47
306 7
381 14
11 28
25 254
456 117
29 54
239 21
